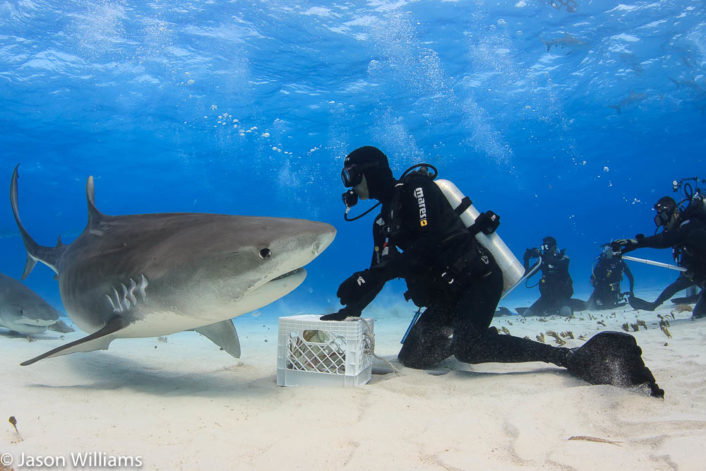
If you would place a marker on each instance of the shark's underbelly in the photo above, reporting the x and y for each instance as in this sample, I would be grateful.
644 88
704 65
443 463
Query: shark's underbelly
151 308
150 322
159 323
155 319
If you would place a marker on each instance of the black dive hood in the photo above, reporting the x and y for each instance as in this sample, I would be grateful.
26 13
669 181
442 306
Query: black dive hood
350 197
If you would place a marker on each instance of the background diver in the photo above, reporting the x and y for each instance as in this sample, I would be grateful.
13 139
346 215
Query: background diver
555 286
418 236
606 277
685 232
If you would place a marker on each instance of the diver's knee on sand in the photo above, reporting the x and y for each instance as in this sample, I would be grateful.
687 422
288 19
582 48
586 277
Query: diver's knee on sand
426 346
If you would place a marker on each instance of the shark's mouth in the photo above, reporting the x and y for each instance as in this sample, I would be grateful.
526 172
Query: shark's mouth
36 322
287 275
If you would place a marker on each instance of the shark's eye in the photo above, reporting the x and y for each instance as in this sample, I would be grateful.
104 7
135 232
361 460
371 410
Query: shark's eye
265 253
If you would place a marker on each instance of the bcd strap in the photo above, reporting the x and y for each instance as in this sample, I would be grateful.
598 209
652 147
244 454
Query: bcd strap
465 204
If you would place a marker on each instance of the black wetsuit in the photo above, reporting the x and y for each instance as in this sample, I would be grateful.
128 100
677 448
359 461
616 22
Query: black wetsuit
689 243
420 238
606 278
555 286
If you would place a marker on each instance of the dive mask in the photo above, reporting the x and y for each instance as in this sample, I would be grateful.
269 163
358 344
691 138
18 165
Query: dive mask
351 175
664 214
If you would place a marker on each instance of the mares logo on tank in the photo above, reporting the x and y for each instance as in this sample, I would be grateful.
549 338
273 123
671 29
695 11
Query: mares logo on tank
419 194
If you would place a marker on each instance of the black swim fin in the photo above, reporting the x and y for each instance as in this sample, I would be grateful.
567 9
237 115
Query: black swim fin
638 303
612 358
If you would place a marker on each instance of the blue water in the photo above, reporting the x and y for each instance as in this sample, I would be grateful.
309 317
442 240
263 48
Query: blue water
249 108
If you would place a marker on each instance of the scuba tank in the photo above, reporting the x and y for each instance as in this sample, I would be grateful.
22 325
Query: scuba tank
512 269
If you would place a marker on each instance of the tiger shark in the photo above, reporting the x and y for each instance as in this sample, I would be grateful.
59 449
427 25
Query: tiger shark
149 275
24 311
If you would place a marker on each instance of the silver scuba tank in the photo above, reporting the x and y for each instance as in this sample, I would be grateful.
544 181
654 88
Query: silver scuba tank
511 267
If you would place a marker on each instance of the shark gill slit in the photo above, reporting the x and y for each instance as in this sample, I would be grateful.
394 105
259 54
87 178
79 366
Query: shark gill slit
126 299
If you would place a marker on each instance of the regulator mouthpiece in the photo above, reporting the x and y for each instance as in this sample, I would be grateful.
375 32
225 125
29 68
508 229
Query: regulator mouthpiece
350 199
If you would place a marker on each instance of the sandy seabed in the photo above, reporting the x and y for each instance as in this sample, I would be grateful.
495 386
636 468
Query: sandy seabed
183 404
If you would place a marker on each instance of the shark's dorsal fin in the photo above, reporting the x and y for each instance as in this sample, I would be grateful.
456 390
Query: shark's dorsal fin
93 214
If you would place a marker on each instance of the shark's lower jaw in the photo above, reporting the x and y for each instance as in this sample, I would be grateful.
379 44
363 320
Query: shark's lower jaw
272 290
36 322
25 328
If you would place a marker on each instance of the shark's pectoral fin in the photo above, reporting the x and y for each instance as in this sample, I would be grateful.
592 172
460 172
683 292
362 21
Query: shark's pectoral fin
96 341
224 335
60 326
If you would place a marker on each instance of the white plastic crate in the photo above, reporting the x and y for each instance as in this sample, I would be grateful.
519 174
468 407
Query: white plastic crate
332 353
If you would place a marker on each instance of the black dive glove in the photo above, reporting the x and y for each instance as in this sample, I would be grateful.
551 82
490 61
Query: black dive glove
622 246
341 314
356 292
486 223
358 285
530 253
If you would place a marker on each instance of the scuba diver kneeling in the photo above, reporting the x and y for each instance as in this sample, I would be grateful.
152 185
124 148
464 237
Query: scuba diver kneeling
684 231
419 236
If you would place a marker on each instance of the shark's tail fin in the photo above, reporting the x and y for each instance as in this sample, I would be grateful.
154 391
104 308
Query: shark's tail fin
35 252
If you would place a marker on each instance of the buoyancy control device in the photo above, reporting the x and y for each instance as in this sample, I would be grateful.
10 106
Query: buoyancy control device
511 267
